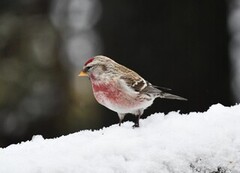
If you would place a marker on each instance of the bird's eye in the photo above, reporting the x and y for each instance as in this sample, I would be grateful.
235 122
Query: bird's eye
88 68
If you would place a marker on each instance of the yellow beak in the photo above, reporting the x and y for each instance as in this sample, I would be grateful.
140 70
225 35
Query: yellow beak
82 73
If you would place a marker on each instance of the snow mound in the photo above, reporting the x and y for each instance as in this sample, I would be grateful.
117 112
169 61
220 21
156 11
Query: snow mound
195 142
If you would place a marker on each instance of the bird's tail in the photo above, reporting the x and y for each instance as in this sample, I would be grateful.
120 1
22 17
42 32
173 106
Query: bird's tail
162 92
171 96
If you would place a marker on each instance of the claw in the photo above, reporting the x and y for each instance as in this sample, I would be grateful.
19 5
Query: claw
135 126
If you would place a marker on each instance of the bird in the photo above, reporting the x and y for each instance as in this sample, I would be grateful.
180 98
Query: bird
121 89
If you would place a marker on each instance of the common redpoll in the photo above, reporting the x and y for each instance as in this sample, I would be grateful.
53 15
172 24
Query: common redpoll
121 89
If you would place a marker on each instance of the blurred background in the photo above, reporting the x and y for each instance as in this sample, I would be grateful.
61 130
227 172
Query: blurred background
190 46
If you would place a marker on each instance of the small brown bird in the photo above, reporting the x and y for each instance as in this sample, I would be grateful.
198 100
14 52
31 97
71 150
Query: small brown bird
121 89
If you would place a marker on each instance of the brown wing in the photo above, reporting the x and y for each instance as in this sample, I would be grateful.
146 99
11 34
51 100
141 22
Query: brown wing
136 85
132 79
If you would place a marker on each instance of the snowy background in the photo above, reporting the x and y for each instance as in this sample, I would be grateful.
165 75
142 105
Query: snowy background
191 47
176 143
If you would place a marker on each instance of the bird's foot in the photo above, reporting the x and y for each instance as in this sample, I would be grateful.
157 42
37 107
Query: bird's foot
120 123
135 126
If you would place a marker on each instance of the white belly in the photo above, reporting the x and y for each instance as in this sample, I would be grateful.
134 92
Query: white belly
121 104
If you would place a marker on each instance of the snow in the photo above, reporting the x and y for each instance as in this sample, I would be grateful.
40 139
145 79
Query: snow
176 143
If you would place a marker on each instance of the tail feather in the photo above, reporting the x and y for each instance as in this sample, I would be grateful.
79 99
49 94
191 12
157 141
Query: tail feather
156 92
171 96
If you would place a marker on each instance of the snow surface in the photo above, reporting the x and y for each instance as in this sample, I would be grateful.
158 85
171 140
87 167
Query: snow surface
196 142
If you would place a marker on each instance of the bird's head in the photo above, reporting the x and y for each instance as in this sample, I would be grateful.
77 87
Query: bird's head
97 67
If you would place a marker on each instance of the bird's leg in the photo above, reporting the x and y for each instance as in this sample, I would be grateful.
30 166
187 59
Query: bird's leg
120 122
121 116
138 115
136 122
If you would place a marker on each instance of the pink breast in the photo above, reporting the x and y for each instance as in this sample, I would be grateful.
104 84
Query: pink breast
108 94
108 91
